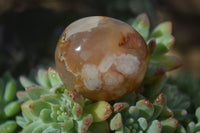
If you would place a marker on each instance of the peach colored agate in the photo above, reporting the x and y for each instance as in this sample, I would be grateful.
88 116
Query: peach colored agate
102 58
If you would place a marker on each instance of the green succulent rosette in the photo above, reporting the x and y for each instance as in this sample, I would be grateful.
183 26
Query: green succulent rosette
143 116
51 107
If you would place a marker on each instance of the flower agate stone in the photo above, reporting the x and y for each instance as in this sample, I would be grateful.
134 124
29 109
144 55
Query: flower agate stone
102 58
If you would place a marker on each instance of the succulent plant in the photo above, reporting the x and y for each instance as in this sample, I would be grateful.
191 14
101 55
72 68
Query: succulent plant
143 117
9 106
191 126
188 85
159 42
51 107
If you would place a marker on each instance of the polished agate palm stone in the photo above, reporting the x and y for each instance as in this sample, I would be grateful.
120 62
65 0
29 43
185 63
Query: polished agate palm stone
102 58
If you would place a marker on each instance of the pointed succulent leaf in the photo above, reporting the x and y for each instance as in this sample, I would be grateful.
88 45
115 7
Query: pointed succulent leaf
160 100
170 62
143 123
77 111
154 69
100 110
146 108
37 106
12 108
142 25
35 91
163 44
25 107
158 105
21 121
42 78
25 82
10 91
54 77
116 122
84 123
197 114
169 125
8 127
22 96
162 29
155 127
190 128
119 106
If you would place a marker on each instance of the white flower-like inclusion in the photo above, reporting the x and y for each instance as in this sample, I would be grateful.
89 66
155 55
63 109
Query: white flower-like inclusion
127 64
94 76
91 76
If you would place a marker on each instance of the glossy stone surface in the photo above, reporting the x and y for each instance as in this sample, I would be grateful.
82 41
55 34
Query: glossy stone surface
102 58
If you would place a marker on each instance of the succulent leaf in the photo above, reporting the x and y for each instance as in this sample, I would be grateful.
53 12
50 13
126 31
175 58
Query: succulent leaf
21 121
25 82
34 92
25 107
84 123
197 114
155 127
10 91
169 62
142 25
12 108
100 110
164 28
116 122
143 123
54 77
169 125
8 127
42 78
146 108
163 44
